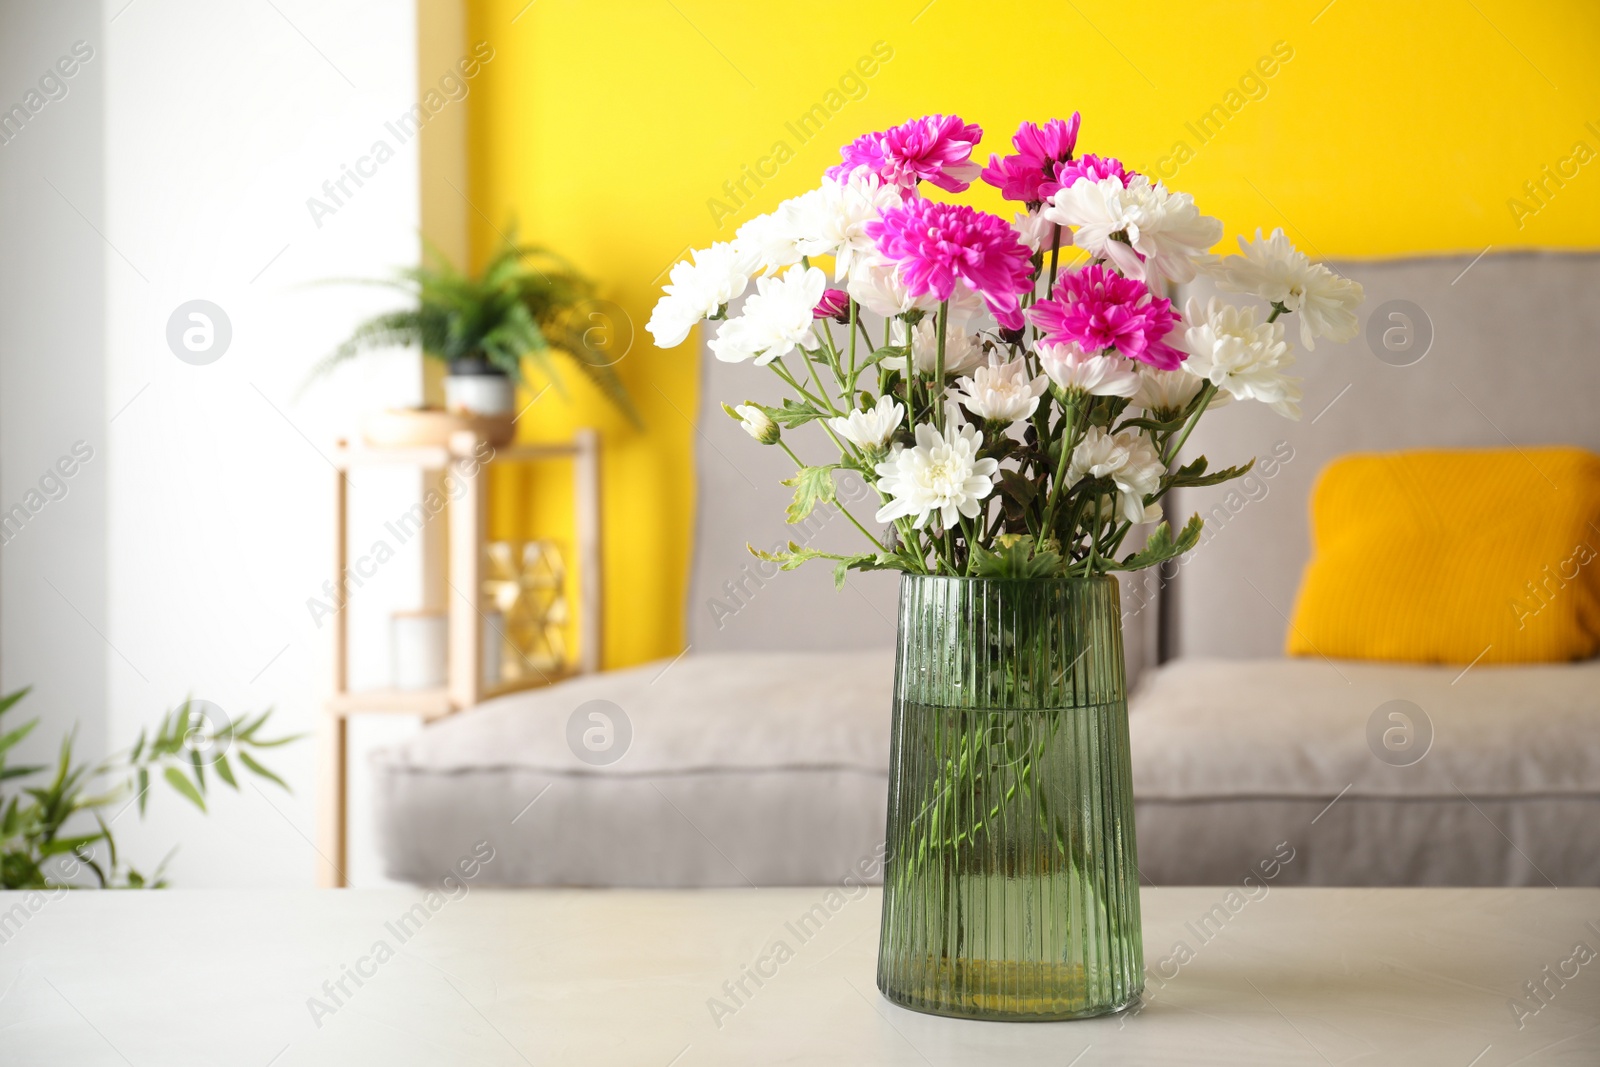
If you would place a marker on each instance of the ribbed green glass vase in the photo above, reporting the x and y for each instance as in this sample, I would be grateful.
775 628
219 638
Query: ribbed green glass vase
1011 886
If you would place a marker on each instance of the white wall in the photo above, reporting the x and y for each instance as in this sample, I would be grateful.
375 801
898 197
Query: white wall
52 374
222 119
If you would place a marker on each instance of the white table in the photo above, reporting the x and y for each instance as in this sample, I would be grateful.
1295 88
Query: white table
1302 976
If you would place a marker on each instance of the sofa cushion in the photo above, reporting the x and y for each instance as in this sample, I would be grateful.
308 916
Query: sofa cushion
1453 556
1375 773
750 768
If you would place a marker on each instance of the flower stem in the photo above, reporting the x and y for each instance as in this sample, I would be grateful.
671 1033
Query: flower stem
936 391
1067 428
1206 393
1055 255
782 371
798 462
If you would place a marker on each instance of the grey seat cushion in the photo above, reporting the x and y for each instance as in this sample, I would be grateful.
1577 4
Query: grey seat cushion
771 769
1232 758
749 768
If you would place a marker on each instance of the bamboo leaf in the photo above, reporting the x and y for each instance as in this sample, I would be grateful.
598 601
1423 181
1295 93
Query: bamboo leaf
256 768
182 784
18 734
225 772
10 699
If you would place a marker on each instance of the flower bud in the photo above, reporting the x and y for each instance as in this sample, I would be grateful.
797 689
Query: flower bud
756 423
835 304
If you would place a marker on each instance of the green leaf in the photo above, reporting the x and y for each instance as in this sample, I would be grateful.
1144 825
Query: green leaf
17 735
177 780
790 558
793 413
144 789
252 765
1194 474
1016 557
1161 546
1153 425
886 352
10 699
812 486
225 772
68 844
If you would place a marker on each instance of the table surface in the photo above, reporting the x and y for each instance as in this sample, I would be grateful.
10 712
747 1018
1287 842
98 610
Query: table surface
592 978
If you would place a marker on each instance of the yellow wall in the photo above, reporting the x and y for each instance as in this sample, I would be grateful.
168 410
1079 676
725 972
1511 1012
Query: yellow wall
607 128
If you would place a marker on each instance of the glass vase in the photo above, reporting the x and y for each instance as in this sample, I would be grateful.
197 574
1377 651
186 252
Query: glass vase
1011 885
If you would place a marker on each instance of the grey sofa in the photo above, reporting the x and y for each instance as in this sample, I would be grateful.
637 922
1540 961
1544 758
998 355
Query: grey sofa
751 765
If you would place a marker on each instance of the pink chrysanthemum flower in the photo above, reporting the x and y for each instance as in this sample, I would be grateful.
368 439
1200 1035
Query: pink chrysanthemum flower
1051 143
1090 166
934 245
835 303
1017 177
1098 309
1040 149
935 149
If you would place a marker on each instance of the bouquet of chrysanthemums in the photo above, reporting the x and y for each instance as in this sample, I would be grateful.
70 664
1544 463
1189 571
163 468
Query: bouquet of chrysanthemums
1016 393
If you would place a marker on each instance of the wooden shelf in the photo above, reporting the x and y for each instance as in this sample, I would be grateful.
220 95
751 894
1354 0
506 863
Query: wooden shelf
425 702
465 532
438 457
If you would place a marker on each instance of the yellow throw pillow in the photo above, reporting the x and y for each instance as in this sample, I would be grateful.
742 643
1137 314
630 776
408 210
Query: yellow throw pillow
1453 557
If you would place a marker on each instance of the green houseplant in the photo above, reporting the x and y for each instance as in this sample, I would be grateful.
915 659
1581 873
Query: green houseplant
54 830
525 304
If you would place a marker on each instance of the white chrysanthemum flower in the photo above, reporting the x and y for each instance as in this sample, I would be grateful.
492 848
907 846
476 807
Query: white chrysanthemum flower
1034 230
757 423
1240 356
1165 393
770 240
698 290
1002 392
1279 273
1163 227
1132 463
875 283
1090 373
832 220
774 319
941 474
872 428
962 350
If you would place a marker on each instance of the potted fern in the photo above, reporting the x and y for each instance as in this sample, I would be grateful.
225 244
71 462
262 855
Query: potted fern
526 304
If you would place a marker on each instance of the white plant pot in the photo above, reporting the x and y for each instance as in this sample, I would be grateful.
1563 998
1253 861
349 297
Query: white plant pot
479 394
